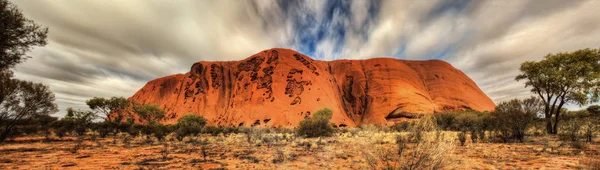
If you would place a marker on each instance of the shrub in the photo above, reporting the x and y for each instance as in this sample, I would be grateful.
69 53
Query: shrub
446 120
401 144
591 161
579 145
135 130
463 120
213 130
103 128
428 153
318 125
513 117
473 136
594 110
149 113
158 130
590 128
188 125
462 137
401 127
571 130
278 156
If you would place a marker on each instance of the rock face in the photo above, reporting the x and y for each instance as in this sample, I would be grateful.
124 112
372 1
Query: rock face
280 87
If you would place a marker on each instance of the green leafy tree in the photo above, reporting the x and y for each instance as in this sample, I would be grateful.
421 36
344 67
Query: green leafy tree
113 109
17 35
572 77
190 124
318 125
149 113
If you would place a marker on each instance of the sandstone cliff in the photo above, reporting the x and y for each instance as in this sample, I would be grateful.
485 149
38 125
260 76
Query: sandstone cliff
280 87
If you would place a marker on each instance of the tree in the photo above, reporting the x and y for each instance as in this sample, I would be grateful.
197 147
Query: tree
23 100
17 35
515 116
572 77
149 113
190 124
113 110
318 125
81 120
19 99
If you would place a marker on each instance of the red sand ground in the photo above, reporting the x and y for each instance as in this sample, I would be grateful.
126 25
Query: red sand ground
233 152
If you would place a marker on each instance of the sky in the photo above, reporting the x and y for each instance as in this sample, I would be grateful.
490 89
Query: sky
110 48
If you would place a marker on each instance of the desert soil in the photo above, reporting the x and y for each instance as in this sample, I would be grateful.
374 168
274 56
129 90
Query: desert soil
345 151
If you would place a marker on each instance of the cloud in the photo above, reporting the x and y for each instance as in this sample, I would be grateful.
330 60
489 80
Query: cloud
112 48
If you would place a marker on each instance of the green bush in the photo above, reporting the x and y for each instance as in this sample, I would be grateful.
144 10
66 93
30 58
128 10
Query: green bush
103 128
318 125
213 130
160 130
463 120
189 125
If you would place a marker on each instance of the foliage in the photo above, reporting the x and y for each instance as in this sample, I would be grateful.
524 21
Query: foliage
464 120
216 130
103 128
80 120
579 128
594 110
113 108
21 100
318 125
572 77
513 117
325 113
149 113
158 130
18 35
190 124
401 126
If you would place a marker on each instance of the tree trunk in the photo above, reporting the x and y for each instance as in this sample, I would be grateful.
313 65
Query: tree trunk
3 136
5 133
548 117
557 117
549 125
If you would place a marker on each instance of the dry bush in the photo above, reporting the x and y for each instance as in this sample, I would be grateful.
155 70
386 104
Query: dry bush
462 137
278 156
591 162
474 136
78 144
165 151
429 152
571 130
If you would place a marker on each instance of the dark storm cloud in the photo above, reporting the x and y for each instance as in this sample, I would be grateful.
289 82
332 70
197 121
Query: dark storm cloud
112 48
